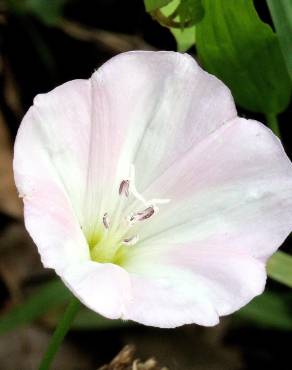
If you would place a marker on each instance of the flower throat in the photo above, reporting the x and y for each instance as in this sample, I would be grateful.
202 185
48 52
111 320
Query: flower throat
118 233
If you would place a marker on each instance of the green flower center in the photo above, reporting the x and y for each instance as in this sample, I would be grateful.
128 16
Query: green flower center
117 235
105 248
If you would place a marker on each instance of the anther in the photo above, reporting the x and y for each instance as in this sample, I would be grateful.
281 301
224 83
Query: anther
147 213
124 188
106 221
131 241
141 216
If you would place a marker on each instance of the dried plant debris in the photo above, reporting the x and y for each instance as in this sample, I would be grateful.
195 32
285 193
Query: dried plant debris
9 201
111 41
125 361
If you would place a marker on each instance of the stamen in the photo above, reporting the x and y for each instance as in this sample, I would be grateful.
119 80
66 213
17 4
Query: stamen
147 213
106 221
124 188
117 228
143 215
131 241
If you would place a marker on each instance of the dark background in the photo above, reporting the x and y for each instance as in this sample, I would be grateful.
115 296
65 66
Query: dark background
35 57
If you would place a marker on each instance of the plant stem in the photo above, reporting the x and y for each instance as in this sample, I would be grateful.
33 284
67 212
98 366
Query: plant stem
273 124
59 334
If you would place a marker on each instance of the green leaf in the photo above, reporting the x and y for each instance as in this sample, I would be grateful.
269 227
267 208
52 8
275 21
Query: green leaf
48 11
180 16
236 46
269 310
190 11
279 268
151 5
185 38
281 11
49 296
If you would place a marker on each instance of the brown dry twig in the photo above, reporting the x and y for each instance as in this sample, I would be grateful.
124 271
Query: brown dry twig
111 41
125 361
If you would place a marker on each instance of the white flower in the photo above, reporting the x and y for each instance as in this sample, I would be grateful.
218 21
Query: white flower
148 195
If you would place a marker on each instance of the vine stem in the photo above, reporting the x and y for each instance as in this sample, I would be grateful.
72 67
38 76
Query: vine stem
273 123
59 334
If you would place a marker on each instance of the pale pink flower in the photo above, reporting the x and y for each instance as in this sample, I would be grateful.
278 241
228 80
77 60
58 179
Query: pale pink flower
147 194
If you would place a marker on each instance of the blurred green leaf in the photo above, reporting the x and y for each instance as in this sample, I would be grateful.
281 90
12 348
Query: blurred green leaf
269 310
279 268
236 46
151 5
281 11
48 11
49 296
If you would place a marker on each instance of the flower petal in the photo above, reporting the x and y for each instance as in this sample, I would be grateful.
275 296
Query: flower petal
105 288
235 187
50 220
50 164
148 109
230 209
154 105
191 284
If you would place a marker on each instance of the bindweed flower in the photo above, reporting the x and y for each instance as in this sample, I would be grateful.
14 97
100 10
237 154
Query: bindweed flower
147 194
